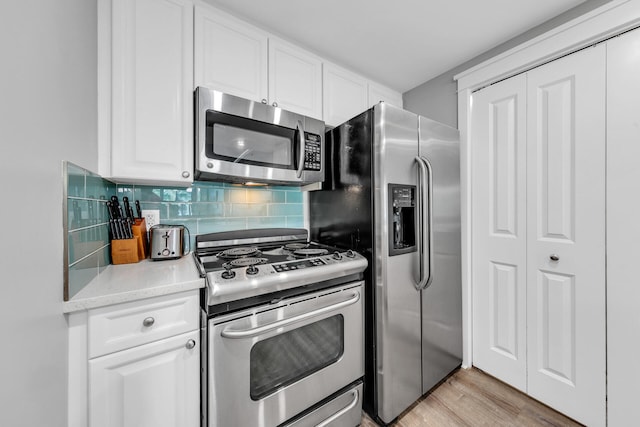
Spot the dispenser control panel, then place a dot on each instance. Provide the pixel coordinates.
(402, 219)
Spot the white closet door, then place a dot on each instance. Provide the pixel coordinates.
(623, 228)
(499, 230)
(566, 221)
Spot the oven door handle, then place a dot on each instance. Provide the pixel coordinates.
(254, 332)
(341, 412)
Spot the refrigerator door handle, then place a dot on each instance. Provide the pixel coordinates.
(425, 225)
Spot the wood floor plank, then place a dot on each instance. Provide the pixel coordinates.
(471, 398)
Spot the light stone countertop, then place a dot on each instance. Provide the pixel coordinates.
(131, 282)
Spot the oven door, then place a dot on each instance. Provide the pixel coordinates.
(270, 363)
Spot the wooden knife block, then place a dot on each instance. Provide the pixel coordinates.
(128, 251)
(139, 230)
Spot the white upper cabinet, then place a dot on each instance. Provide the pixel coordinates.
(230, 55)
(236, 58)
(379, 93)
(295, 79)
(145, 90)
(345, 94)
(152, 54)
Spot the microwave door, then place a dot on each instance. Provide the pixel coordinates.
(240, 140)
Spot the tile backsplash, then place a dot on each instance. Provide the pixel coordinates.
(205, 207)
(87, 249)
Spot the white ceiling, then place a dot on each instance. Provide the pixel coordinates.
(400, 43)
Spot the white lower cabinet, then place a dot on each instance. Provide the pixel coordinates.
(136, 364)
(152, 385)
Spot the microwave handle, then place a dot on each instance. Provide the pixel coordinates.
(302, 147)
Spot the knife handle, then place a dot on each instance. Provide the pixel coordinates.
(109, 211)
(138, 210)
(115, 233)
(127, 208)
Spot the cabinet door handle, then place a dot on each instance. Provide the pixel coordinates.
(148, 321)
(275, 104)
(554, 257)
(190, 344)
(186, 174)
(264, 101)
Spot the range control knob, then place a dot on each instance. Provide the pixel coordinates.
(228, 273)
(252, 269)
(350, 254)
(336, 255)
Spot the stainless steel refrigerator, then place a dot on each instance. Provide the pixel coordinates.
(393, 194)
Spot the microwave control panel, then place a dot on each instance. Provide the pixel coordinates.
(312, 152)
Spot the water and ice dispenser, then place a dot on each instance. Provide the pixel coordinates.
(402, 219)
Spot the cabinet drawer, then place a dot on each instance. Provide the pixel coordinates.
(131, 324)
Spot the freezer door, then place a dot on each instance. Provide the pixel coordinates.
(442, 299)
(397, 306)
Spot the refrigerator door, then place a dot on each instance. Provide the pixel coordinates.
(442, 299)
(397, 306)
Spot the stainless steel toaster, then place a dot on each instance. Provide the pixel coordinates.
(167, 241)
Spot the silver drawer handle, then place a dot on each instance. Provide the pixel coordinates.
(554, 257)
(190, 344)
(342, 411)
(149, 321)
(248, 333)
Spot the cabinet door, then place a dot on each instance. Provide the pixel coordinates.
(499, 230)
(153, 385)
(344, 94)
(623, 227)
(566, 235)
(230, 56)
(152, 75)
(377, 93)
(295, 79)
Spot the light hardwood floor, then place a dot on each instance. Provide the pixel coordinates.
(469, 397)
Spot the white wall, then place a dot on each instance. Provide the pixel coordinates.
(438, 97)
(47, 113)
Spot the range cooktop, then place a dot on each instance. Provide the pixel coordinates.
(246, 264)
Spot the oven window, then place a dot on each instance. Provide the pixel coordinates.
(286, 358)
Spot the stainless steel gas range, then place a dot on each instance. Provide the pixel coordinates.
(283, 331)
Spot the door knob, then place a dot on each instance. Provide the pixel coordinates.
(190, 344)
(148, 321)
(554, 257)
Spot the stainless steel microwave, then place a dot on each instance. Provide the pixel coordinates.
(238, 140)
